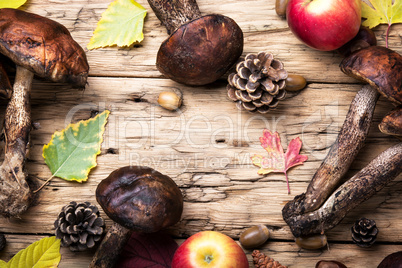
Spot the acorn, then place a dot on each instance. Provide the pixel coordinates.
(312, 242)
(170, 100)
(254, 236)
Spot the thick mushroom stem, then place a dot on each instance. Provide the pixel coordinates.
(175, 13)
(371, 179)
(15, 193)
(5, 86)
(350, 140)
(110, 247)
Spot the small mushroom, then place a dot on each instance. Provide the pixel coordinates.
(321, 208)
(200, 49)
(365, 37)
(391, 124)
(40, 46)
(138, 199)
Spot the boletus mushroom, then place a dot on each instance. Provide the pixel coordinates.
(200, 49)
(137, 199)
(38, 46)
(391, 124)
(5, 84)
(322, 207)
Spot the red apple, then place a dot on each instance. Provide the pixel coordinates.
(209, 249)
(324, 24)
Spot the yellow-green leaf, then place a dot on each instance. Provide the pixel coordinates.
(121, 24)
(381, 11)
(44, 253)
(11, 4)
(72, 152)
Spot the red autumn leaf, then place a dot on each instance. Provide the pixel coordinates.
(154, 250)
(277, 160)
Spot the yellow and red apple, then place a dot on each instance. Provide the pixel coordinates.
(324, 24)
(209, 249)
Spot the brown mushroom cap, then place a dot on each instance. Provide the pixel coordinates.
(42, 46)
(391, 124)
(380, 67)
(140, 199)
(201, 51)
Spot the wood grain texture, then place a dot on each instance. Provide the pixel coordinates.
(206, 146)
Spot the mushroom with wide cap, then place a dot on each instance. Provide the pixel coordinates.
(200, 49)
(323, 205)
(38, 46)
(391, 124)
(137, 199)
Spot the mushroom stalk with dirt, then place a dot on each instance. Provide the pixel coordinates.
(320, 208)
(138, 199)
(38, 46)
(200, 49)
(371, 179)
(5, 85)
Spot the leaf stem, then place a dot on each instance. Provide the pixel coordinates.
(287, 181)
(43, 185)
(386, 35)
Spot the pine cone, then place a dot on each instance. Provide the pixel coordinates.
(364, 232)
(262, 261)
(258, 84)
(79, 226)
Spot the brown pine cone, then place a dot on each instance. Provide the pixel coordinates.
(258, 83)
(79, 226)
(261, 260)
(364, 232)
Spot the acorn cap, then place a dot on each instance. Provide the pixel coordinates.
(42, 46)
(378, 66)
(201, 51)
(140, 199)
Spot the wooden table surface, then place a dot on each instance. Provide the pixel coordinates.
(206, 146)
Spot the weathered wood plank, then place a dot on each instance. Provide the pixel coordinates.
(263, 31)
(286, 252)
(205, 147)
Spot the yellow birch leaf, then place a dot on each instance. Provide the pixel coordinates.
(44, 253)
(11, 3)
(72, 152)
(121, 24)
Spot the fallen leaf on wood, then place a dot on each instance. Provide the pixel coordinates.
(143, 250)
(72, 152)
(277, 160)
(121, 24)
(42, 253)
(11, 4)
(382, 12)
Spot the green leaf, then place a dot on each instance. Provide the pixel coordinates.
(11, 4)
(121, 24)
(71, 153)
(40, 254)
(381, 12)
